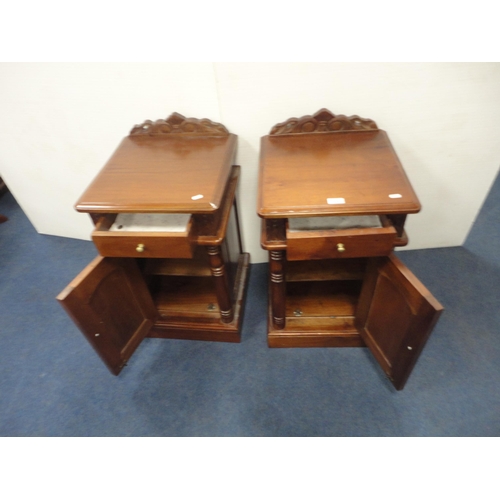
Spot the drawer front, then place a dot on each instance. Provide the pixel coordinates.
(332, 244)
(162, 246)
(139, 243)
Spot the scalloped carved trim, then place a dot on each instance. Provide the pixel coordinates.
(178, 124)
(323, 121)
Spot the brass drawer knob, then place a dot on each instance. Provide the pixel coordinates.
(140, 247)
(340, 247)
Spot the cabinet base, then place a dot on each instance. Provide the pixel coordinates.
(210, 329)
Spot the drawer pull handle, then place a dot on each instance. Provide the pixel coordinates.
(140, 247)
(340, 247)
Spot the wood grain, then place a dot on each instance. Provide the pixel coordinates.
(162, 174)
(300, 173)
(321, 122)
(187, 284)
(205, 325)
(154, 244)
(332, 287)
(180, 125)
(396, 316)
(324, 244)
(111, 305)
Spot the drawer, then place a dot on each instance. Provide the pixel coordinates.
(310, 240)
(165, 240)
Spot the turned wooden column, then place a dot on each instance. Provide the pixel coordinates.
(278, 287)
(221, 281)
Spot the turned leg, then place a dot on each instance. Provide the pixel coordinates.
(277, 288)
(221, 283)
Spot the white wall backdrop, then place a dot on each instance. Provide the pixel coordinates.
(60, 122)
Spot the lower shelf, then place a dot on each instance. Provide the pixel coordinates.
(186, 296)
(321, 332)
(188, 308)
(318, 314)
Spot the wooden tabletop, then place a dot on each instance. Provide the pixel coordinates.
(332, 173)
(163, 173)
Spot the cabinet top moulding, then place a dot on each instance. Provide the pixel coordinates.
(177, 165)
(326, 164)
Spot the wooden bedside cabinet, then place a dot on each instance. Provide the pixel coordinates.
(333, 198)
(171, 262)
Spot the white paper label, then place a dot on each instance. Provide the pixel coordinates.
(335, 201)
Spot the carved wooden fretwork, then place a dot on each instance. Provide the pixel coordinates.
(323, 121)
(178, 124)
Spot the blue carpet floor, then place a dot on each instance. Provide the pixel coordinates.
(53, 384)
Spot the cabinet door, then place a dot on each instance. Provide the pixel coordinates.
(395, 316)
(111, 305)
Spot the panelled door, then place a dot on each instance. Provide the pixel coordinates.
(111, 305)
(395, 316)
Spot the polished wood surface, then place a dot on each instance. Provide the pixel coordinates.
(196, 266)
(211, 229)
(335, 287)
(221, 281)
(142, 244)
(301, 173)
(273, 234)
(325, 270)
(112, 307)
(322, 121)
(191, 277)
(328, 299)
(396, 315)
(277, 287)
(179, 125)
(162, 174)
(341, 244)
(201, 296)
(318, 331)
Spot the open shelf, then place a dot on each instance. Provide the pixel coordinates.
(325, 270)
(182, 296)
(197, 266)
(319, 314)
(188, 307)
(329, 299)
